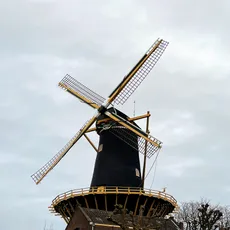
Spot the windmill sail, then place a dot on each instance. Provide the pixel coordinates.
(130, 138)
(128, 132)
(42, 172)
(140, 71)
(81, 91)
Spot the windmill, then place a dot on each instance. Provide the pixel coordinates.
(116, 177)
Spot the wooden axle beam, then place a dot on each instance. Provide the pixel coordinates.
(129, 119)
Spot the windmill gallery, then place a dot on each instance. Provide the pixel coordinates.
(117, 179)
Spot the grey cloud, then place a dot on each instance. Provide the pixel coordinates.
(98, 43)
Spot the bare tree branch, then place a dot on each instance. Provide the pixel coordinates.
(203, 216)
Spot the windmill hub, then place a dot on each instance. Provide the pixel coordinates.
(102, 109)
(104, 122)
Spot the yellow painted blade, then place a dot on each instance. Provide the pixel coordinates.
(134, 78)
(80, 91)
(122, 131)
(42, 172)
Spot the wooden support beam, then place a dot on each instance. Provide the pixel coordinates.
(126, 200)
(91, 143)
(95, 200)
(106, 203)
(137, 203)
(71, 206)
(162, 210)
(91, 130)
(146, 149)
(150, 209)
(67, 210)
(154, 212)
(63, 215)
(129, 119)
(86, 202)
(157, 210)
(146, 200)
(165, 211)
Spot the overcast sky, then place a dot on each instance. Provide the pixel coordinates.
(98, 42)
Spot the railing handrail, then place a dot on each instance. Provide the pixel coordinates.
(92, 190)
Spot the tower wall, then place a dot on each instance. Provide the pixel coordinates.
(117, 163)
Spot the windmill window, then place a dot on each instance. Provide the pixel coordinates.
(137, 172)
(100, 148)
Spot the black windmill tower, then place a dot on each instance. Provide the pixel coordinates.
(117, 173)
